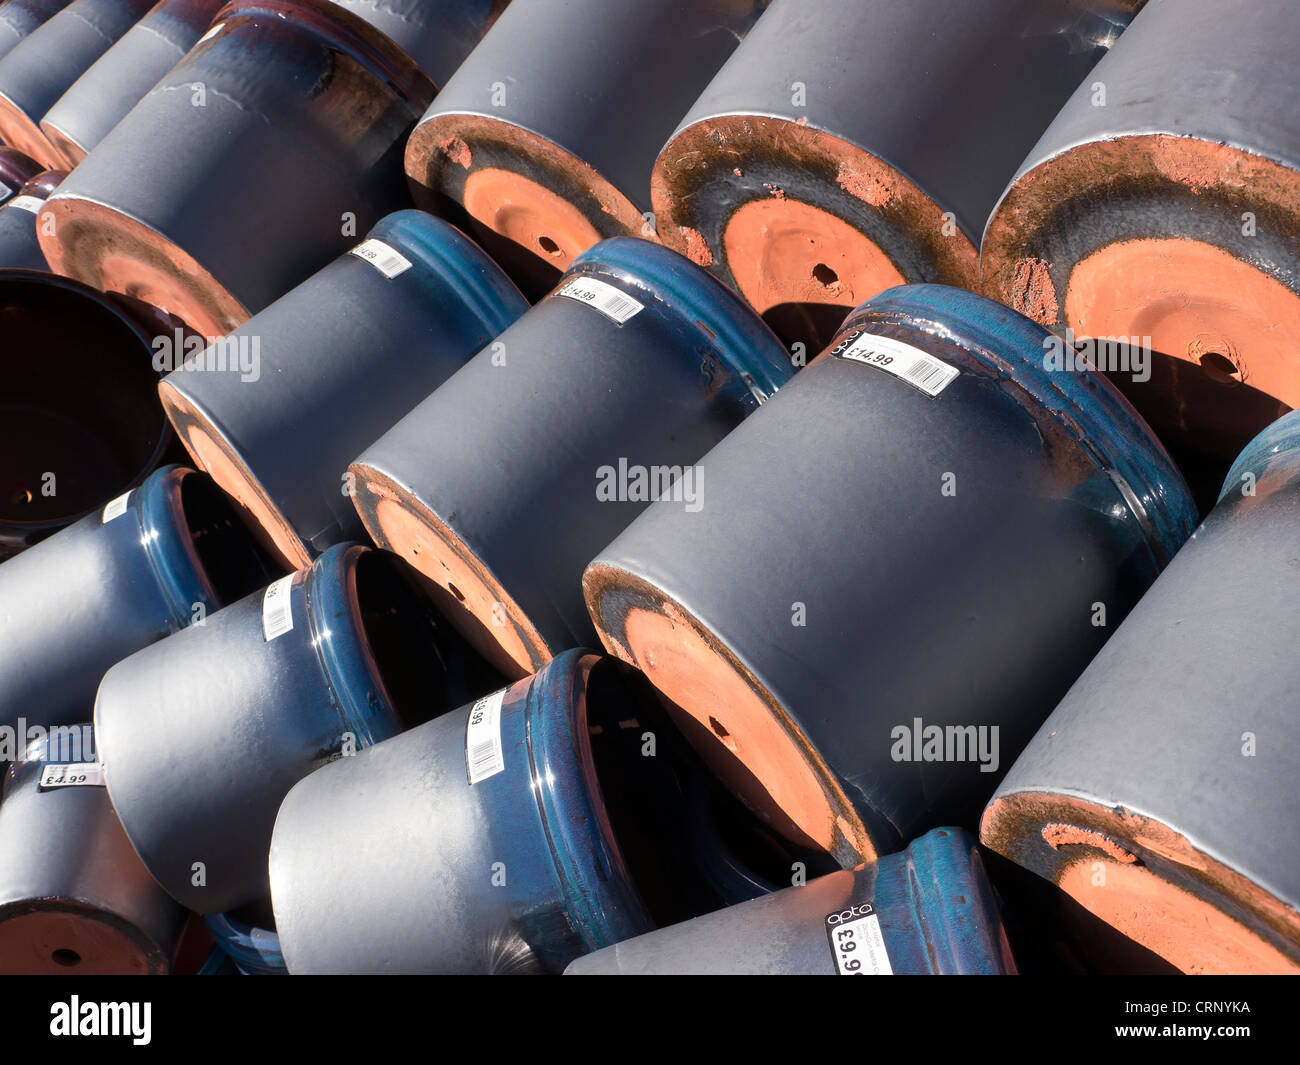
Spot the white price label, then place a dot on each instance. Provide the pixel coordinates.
(912, 365)
(116, 508)
(277, 609)
(28, 203)
(73, 775)
(856, 942)
(483, 754)
(613, 303)
(386, 260)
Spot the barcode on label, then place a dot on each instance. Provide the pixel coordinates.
(857, 944)
(483, 755)
(912, 365)
(116, 508)
(386, 260)
(277, 609)
(610, 301)
(73, 775)
(28, 203)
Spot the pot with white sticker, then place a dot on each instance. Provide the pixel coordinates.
(907, 557)
(276, 410)
(546, 820)
(74, 898)
(503, 483)
(151, 562)
(926, 910)
(212, 726)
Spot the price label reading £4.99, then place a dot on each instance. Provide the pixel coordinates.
(856, 942)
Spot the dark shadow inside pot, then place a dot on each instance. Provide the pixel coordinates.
(689, 845)
(426, 666)
(80, 419)
(229, 552)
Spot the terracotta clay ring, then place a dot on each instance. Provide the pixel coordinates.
(1160, 793)
(209, 199)
(919, 540)
(850, 147)
(545, 164)
(74, 898)
(1171, 215)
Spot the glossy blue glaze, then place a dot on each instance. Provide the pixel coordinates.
(722, 319)
(602, 901)
(338, 637)
(454, 270)
(1272, 459)
(254, 951)
(165, 538)
(1084, 402)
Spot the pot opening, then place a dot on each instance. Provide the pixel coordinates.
(231, 556)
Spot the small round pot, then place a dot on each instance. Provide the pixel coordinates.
(46, 64)
(438, 36)
(67, 348)
(926, 533)
(164, 556)
(254, 162)
(74, 898)
(206, 731)
(537, 812)
(1160, 793)
(100, 98)
(19, 247)
(277, 410)
(927, 910)
(576, 413)
(808, 200)
(1171, 215)
(545, 164)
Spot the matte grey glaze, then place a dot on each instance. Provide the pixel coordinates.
(19, 17)
(437, 34)
(123, 75)
(40, 69)
(208, 729)
(75, 604)
(294, 150)
(62, 851)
